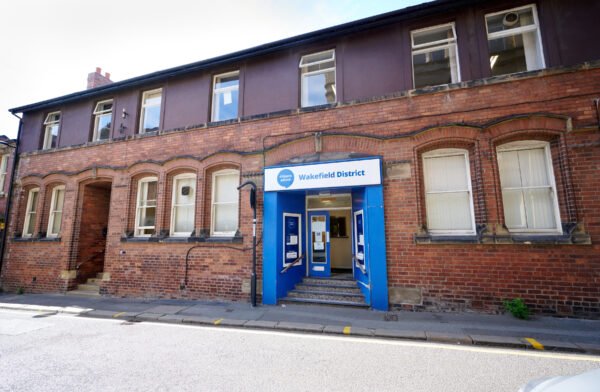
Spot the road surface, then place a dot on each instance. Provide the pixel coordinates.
(40, 352)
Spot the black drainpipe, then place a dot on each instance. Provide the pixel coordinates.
(10, 192)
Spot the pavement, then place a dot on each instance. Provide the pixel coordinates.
(537, 333)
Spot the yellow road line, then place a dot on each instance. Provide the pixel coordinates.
(218, 321)
(117, 315)
(346, 330)
(537, 345)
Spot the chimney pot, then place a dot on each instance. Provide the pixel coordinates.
(98, 70)
(107, 75)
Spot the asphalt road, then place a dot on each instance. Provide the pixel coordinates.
(65, 353)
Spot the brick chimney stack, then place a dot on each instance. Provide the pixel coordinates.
(96, 79)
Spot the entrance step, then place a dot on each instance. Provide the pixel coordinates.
(329, 302)
(339, 282)
(339, 290)
(90, 288)
(327, 287)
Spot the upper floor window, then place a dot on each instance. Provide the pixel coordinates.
(225, 96)
(528, 188)
(225, 202)
(102, 120)
(51, 128)
(514, 40)
(150, 111)
(145, 215)
(56, 209)
(318, 78)
(183, 205)
(434, 56)
(448, 195)
(3, 171)
(31, 212)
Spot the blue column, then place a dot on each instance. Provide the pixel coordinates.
(375, 238)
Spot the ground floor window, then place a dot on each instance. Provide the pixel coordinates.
(183, 205)
(528, 187)
(56, 211)
(146, 207)
(31, 212)
(225, 202)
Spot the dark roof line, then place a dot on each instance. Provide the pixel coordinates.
(303, 39)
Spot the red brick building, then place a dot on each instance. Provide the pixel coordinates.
(443, 156)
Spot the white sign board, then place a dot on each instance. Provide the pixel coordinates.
(357, 172)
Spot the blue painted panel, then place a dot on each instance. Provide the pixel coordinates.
(314, 254)
(376, 253)
(275, 284)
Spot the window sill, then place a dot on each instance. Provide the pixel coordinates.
(182, 240)
(573, 234)
(36, 239)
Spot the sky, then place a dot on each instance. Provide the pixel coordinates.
(47, 48)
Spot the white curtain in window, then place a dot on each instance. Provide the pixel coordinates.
(448, 198)
(225, 203)
(527, 190)
(184, 202)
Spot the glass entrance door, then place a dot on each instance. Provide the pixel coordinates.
(318, 245)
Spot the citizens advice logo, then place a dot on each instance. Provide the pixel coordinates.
(285, 178)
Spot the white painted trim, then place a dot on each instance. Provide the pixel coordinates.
(304, 73)
(218, 91)
(178, 177)
(99, 114)
(52, 213)
(138, 208)
(224, 172)
(519, 30)
(450, 44)
(52, 120)
(143, 106)
(299, 216)
(28, 212)
(3, 172)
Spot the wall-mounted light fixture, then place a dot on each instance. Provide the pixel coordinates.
(124, 114)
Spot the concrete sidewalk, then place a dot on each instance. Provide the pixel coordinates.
(539, 333)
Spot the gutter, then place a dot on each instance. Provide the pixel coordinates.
(389, 18)
(10, 193)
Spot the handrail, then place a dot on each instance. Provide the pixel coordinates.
(293, 263)
(359, 265)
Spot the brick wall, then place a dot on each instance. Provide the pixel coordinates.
(554, 106)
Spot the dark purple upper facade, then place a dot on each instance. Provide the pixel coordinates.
(373, 58)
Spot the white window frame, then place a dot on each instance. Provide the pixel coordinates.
(218, 91)
(3, 172)
(28, 212)
(138, 230)
(530, 145)
(143, 106)
(519, 30)
(224, 172)
(304, 74)
(52, 119)
(436, 45)
(54, 211)
(448, 152)
(178, 177)
(98, 115)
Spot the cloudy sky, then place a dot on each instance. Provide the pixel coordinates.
(47, 48)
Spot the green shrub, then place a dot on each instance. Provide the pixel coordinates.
(20, 290)
(517, 308)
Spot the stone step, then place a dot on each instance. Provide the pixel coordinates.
(88, 287)
(332, 295)
(102, 275)
(83, 293)
(322, 287)
(327, 302)
(330, 282)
